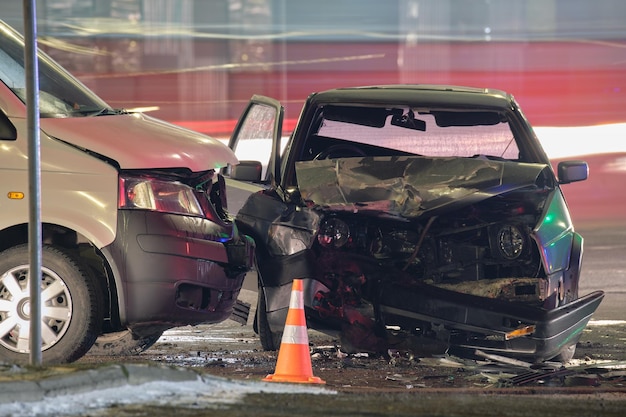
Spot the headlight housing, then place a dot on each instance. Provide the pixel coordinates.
(145, 193)
(333, 233)
(508, 241)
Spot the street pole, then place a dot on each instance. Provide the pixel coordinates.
(34, 175)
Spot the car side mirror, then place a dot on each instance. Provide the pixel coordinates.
(572, 171)
(246, 171)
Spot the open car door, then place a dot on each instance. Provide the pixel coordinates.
(256, 141)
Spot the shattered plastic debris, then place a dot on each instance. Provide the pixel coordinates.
(540, 376)
(503, 359)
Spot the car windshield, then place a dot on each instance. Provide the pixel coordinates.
(60, 94)
(432, 132)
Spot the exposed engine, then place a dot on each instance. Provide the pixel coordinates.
(485, 250)
(486, 241)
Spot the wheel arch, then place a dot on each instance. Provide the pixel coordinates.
(571, 277)
(84, 251)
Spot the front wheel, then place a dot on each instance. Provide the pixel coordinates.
(269, 340)
(71, 312)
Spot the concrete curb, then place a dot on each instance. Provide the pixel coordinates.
(72, 382)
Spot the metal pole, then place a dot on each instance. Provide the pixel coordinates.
(34, 175)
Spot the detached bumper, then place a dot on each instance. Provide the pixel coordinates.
(175, 270)
(485, 324)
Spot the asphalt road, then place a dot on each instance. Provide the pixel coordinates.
(604, 267)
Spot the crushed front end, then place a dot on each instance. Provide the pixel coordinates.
(427, 254)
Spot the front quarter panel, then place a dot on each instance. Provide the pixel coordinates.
(258, 213)
(554, 234)
(77, 191)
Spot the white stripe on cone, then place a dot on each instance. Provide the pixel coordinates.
(296, 335)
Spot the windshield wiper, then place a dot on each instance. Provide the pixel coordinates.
(105, 111)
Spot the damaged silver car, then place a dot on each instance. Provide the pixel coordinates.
(423, 218)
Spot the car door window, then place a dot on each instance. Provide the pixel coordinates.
(256, 132)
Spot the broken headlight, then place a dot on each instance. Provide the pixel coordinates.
(333, 233)
(509, 241)
(144, 193)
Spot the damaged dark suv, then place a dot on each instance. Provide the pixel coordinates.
(420, 217)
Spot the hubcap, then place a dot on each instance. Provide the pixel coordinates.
(56, 309)
(23, 309)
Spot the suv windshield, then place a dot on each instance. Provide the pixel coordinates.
(60, 94)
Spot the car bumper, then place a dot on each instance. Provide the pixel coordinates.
(174, 270)
(470, 322)
(493, 322)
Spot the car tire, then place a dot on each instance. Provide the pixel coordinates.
(270, 340)
(123, 343)
(71, 312)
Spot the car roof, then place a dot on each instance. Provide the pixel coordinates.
(427, 95)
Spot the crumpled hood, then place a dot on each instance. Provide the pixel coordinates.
(408, 186)
(137, 141)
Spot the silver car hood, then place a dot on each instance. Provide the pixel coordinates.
(408, 187)
(137, 141)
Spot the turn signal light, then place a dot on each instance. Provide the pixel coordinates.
(15, 195)
(519, 332)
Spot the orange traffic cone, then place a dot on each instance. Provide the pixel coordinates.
(294, 361)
